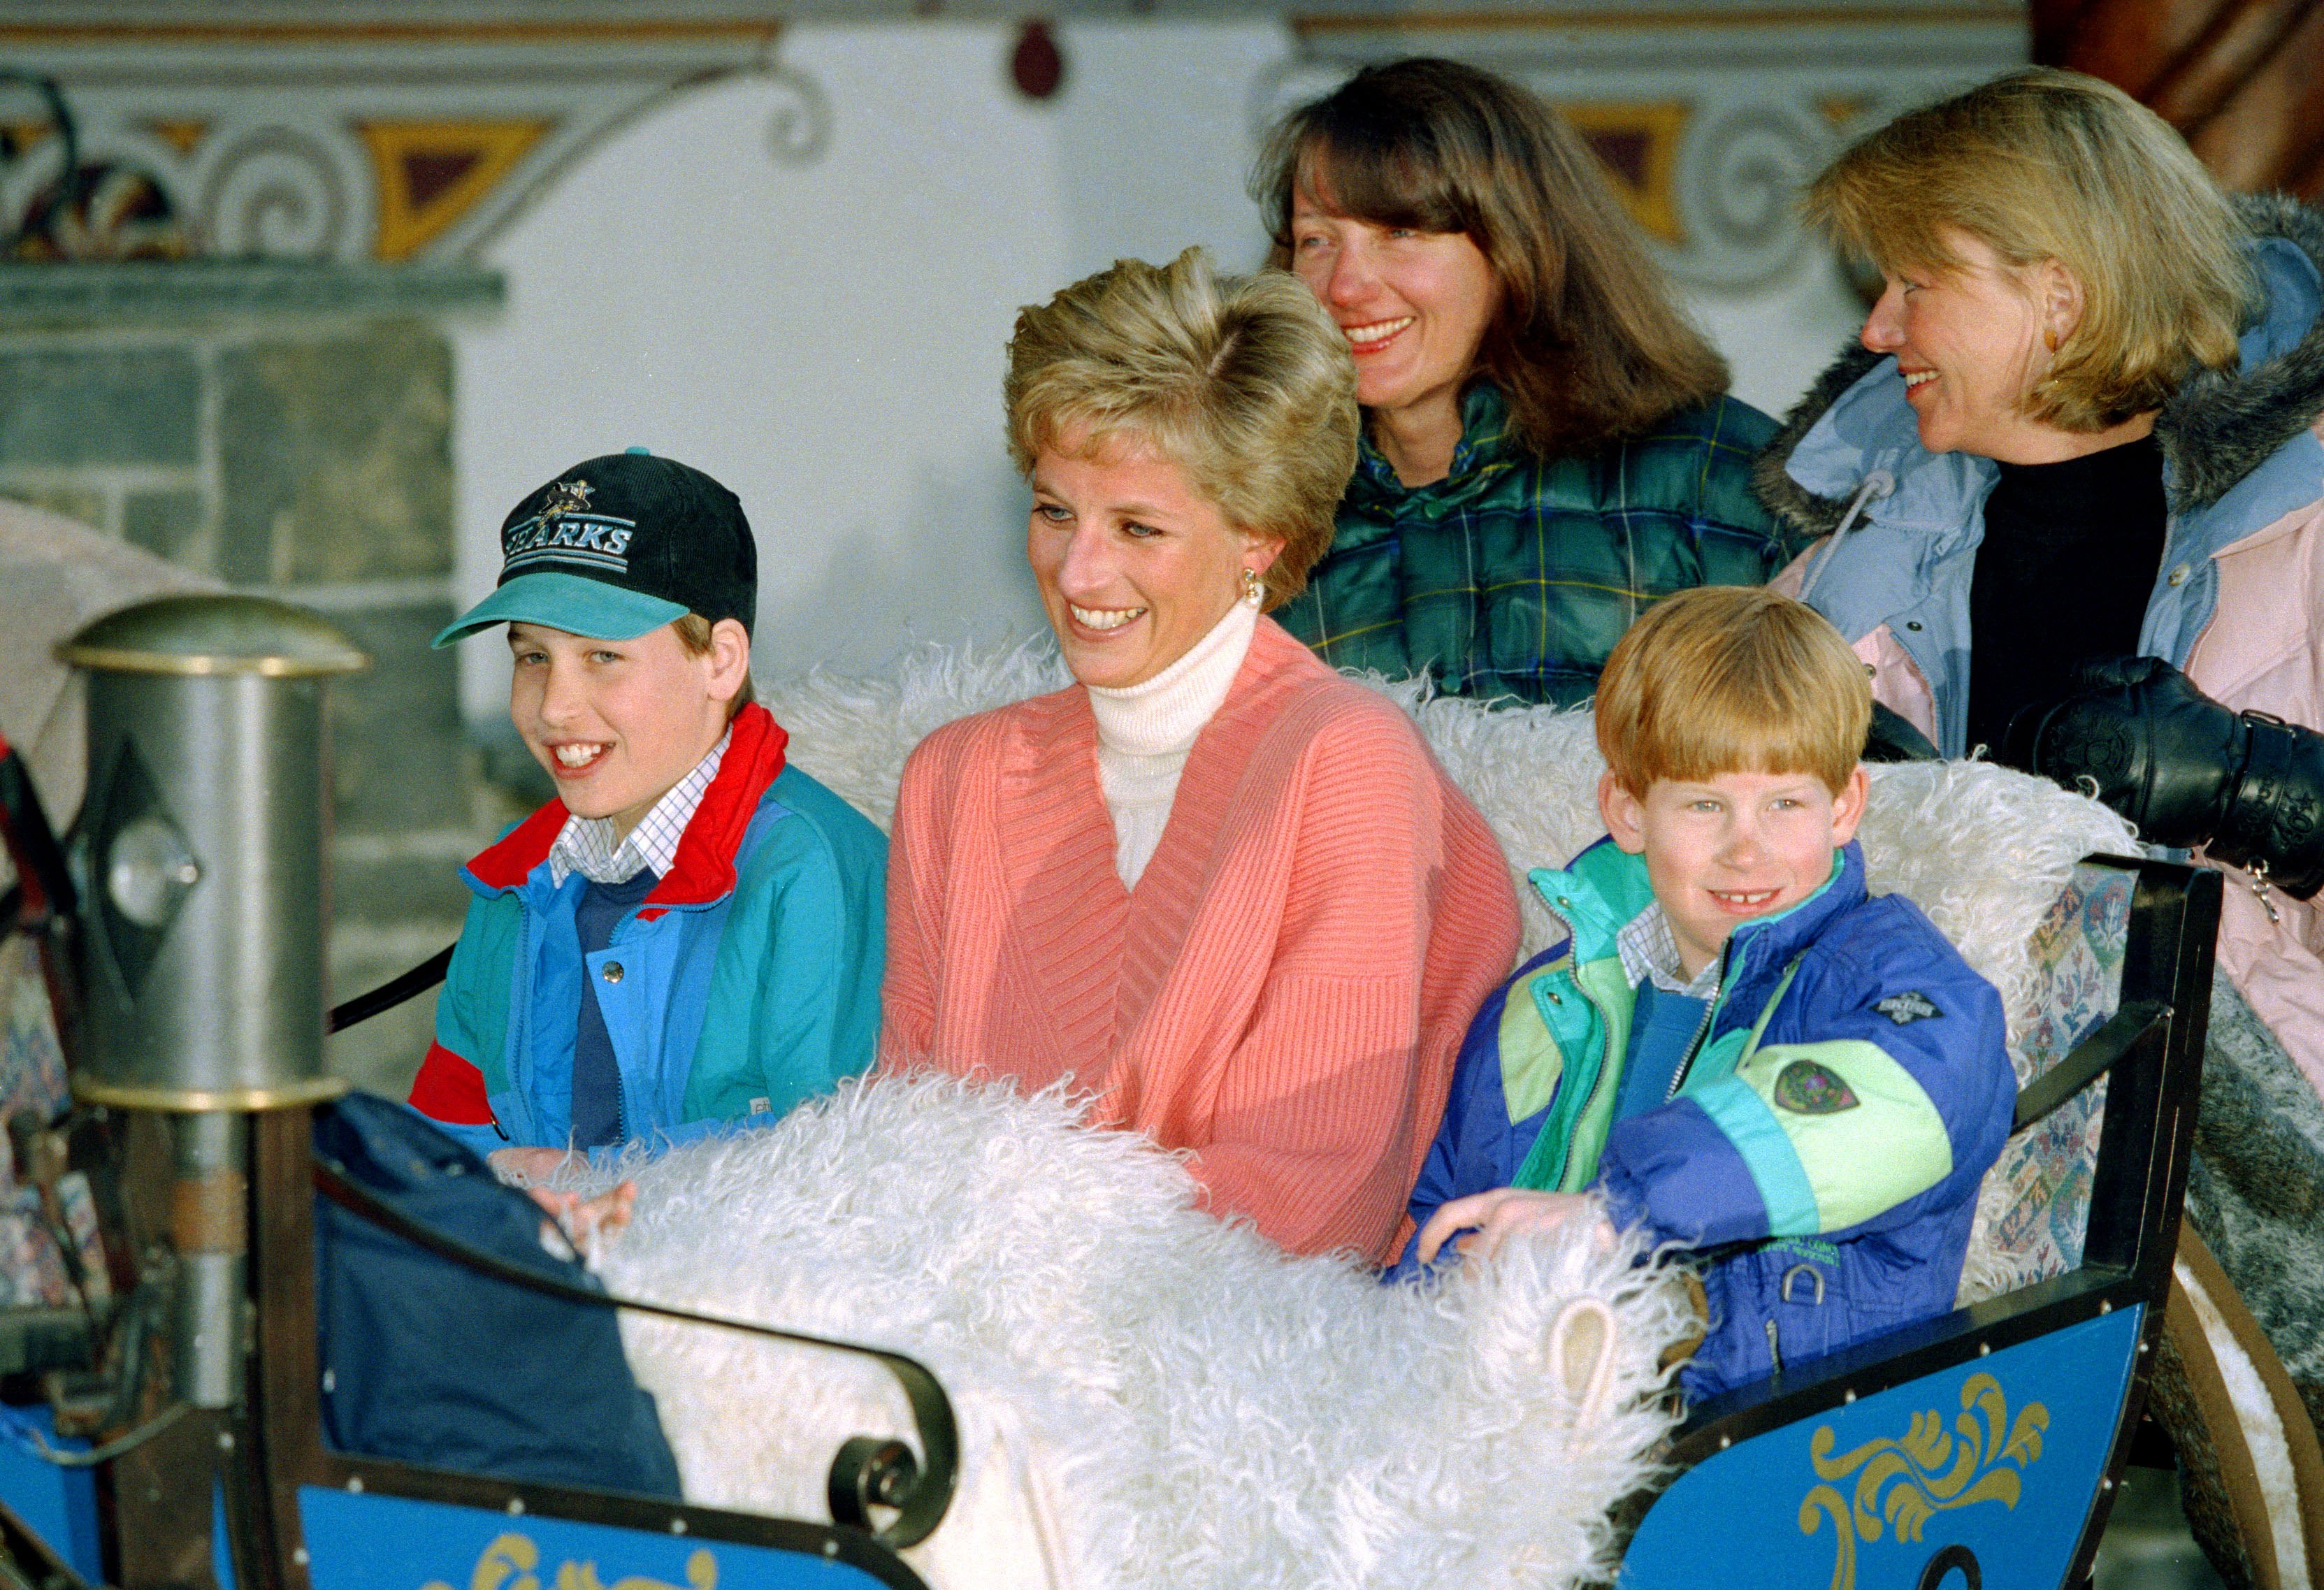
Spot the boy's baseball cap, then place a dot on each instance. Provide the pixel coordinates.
(618, 545)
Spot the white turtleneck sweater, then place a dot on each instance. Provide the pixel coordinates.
(1145, 730)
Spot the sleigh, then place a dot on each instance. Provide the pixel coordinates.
(1981, 1448)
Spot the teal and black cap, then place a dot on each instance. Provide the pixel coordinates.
(618, 545)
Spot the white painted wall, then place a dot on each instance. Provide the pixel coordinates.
(827, 338)
(1779, 339)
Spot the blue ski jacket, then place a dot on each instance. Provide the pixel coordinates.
(1819, 1144)
(748, 980)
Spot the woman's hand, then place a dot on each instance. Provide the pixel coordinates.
(2183, 768)
(2158, 750)
(1503, 1213)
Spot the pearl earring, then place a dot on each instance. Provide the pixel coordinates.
(1254, 587)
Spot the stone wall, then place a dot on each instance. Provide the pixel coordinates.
(287, 429)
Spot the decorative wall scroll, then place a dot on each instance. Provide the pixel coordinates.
(432, 173)
(342, 132)
(1710, 117)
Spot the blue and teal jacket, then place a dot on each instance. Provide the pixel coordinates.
(1820, 1143)
(748, 980)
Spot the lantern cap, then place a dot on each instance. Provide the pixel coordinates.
(213, 634)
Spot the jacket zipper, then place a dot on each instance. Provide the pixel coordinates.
(1565, 1153)
(1710, 1010)
(1694, 1046)
(521, 1059)
(621, 1087)
(1686, 1064)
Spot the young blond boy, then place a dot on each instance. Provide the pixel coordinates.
(1737, 1048)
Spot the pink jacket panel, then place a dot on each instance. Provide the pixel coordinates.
(2262, 650)
(1897, 681)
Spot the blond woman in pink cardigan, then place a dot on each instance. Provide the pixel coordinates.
(1214, 883)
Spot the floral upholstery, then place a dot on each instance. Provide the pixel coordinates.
(2039, 1190)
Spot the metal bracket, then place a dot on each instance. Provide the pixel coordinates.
(2091, 1058)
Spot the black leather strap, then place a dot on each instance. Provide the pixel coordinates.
(2276, 817)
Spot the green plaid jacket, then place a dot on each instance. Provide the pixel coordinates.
(1514, 575)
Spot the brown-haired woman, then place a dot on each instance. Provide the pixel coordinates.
(1548, 446)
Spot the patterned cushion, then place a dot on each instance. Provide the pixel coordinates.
(2035, 1203)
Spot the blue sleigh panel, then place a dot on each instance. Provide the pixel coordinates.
(1981, 1475)
(357, 1541)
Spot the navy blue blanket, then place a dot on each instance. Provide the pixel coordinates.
(427, 1362)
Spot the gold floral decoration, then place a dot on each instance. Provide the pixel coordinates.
(1929, 1471)
(510, 1561)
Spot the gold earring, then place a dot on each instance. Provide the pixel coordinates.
(2049, 339)
(1254, 587)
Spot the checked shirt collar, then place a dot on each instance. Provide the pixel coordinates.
(1650, 950)
(586, 845)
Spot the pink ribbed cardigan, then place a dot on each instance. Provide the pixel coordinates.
(1285, 991)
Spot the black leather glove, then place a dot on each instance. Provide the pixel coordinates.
(2187, 770)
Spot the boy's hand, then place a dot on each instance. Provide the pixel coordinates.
(1502, 1213)
(527, 1164)
(582, 1219)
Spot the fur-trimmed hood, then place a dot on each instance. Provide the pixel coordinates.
(2220, 426)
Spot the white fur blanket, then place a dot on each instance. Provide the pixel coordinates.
(1148, 1396)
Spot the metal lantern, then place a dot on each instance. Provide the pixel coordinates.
(203, 833)
(202, 840)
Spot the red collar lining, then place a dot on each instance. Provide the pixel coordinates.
(704, 870)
